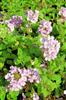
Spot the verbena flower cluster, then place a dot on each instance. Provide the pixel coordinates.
(19, 77)
(32, 16)
(50, 48)
(14, 22)
(62, 13)
(45, 27)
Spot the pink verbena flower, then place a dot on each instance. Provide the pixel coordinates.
(50, 48)
(16, 77)
(62, 13)
(19, 77)
(33, 76)
(15, 21)
(32, 16)
(35, 96)
(45, 27)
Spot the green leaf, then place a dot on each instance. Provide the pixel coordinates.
(1, 65)
(23, 56)
(2, 93)
(12, 95)
(64, 46)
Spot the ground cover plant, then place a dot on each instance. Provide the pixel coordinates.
(33, 50)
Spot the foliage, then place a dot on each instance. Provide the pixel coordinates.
(21, 47)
